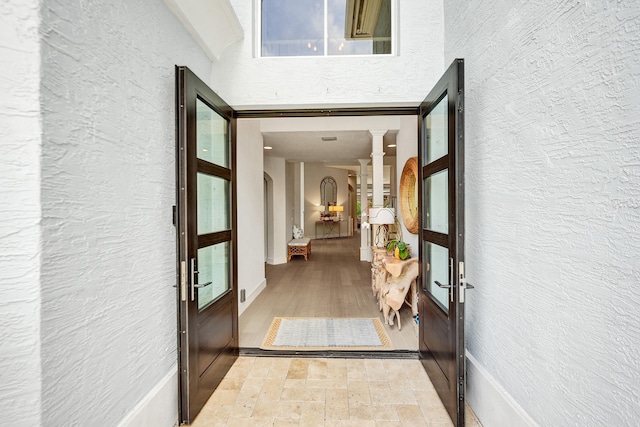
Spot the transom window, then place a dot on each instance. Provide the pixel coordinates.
(325, 27)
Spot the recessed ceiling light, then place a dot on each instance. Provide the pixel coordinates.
(205, 150)
(266, 147)
(329, 138)
(391, 146)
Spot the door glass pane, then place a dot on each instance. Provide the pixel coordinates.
(213, 204)
(213, 266)
(212, 139)
(292, 28)
(436, 196)
(437, 131)
(437, 268)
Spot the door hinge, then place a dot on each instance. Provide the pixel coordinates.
(175, 215)
(460, 106)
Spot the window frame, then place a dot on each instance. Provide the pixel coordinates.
(257, 36)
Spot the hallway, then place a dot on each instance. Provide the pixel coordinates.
(273, 391)
(332, 283)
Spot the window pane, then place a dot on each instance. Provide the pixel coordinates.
(436, 196)
(212, 137)
(437, 131)
(213, 204)
(345, 42)
(437, 268)
(292, 27)
(213, 266)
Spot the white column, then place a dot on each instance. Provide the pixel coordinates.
(302, 198)
(364, 232)
(378, 168)
(378, 172)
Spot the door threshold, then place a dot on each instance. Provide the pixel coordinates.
(331, 354)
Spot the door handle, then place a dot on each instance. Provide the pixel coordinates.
(201, 285)
(194, 280)
(443, 286)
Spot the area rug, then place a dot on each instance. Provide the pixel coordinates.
(317, 334)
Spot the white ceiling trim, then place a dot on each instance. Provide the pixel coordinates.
(212, 23)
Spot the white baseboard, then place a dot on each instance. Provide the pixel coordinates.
(242, 306)
(159, 408)
(275, 261)
(491, 403)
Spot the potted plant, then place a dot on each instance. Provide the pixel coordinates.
(398, 249)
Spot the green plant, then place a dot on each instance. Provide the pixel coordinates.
(402, 249)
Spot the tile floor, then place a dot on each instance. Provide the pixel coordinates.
(271, 391)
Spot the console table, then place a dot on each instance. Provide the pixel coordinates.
(329, 229)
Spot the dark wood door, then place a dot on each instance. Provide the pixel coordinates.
(441, 192)
(207, 253)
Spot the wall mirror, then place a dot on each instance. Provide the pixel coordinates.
(328, 192)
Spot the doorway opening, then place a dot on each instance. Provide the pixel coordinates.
(335, 282)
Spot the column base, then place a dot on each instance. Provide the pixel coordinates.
(365, 254)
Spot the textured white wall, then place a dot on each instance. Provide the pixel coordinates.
(246, 81)
(20, 133)
(250, 199)
(553, 203)
(108, 173)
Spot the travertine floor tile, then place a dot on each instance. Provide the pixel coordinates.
(411, 415)
(283, 392)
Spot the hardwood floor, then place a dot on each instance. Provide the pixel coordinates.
(332, 283)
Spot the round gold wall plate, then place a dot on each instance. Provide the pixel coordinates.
(409, 195)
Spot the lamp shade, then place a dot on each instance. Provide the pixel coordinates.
(381, 216)
(336, 208)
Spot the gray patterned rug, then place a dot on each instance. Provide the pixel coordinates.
(303, 333)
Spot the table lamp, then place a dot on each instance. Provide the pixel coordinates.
(381, 217)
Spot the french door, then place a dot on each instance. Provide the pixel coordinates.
(443, 285)
(206, 240)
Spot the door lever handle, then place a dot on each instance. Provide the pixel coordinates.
(201, 285)
(443, 286)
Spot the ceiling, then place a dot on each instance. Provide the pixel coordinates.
(348, 147)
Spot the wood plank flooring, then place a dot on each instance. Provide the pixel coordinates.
(332, 283)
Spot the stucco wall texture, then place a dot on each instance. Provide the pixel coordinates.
(20, 144)
(245, 80)
(108, 172)
(553, 202)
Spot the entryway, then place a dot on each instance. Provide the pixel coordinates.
(206, 350)
(277, 391)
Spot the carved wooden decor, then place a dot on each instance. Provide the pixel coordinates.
(408, 199)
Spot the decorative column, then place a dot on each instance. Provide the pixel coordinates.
(364, 232)
(378, 167)
(378, 171)
(302, 200)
